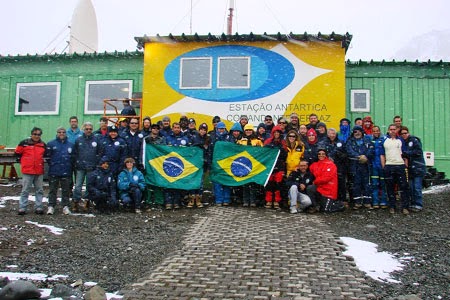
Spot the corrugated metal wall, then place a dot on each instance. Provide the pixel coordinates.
(418, 92)
(72, 72)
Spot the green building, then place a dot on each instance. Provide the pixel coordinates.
(45, 90)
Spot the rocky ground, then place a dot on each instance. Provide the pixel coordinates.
(117, 249)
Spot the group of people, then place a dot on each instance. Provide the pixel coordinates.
(318, 168)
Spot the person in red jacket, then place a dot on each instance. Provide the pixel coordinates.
(31, 153)
(326, 180)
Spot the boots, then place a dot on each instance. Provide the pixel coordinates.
(74, 207)
(198, 201)
(191, 201)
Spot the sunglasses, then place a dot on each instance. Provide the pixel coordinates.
(134, 123)
(88, 129)
(37, 134)
(61, 132)
(403, 133)
(268, 120)
(292, 136)
(282, 123)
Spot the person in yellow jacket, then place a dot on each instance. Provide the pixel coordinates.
(249, 138)
(295, 151)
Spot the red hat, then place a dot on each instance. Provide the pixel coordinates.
(367, 119)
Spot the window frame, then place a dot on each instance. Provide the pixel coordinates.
(57, 84)
(219, 59)
(352, 100)
(113, 81)
(209, 86)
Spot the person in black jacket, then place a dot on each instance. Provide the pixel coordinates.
(416, 167)
(102, 188)
(297, 182)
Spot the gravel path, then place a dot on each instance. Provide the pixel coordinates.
(119, 250)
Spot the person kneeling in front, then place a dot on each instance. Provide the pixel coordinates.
(297, 182)
(323, 192)
(131, 185)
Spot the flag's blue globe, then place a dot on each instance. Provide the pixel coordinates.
(241, 166)
(173, 166)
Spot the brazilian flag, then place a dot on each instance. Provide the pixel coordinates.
(173, 167)
(235, 165)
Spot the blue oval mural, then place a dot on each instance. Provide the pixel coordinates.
(269, 73)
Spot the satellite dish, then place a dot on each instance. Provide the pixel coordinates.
(83, 30)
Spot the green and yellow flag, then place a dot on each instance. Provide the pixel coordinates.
(174, 167)
(235, 165)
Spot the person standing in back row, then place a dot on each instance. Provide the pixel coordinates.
(416, 167)
(31, 154)
(395, 170)
(60, 160)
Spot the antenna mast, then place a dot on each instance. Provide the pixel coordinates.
(230, 18)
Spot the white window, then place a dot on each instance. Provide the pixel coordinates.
(233, 73)
(97, 91)
(37, 98)
(360, 100)
(196, 73)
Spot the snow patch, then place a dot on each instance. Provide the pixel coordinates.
(53, 229)
(377, 265)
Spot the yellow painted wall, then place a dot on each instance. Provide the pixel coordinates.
(324, 95)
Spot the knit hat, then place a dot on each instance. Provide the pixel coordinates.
(216, 119)
(203, 126)
(321, 124)
(344, 119)
(166, 119)
(221, 125)
(357, 127)
(236, 127)
(191, 120)
(322, 149)
(113, 129)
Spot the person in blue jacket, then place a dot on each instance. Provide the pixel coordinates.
(115, 149)
(133, 138)
(87, 152)
(102, 187)
(360, 152)
(379, 196)
(222, 193)
(59, 155)
(172, 197)
(416, 167)
(131, 185)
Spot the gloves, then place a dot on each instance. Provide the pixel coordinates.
(362, 159)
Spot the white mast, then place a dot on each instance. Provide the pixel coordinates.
(230, 18)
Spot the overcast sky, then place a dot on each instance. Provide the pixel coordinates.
(380, 28)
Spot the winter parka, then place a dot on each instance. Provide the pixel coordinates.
(326, 179)
(60, 157)
(87, 151)
(413, 150)
(31, 156)
(101, 184)
(126, 178)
